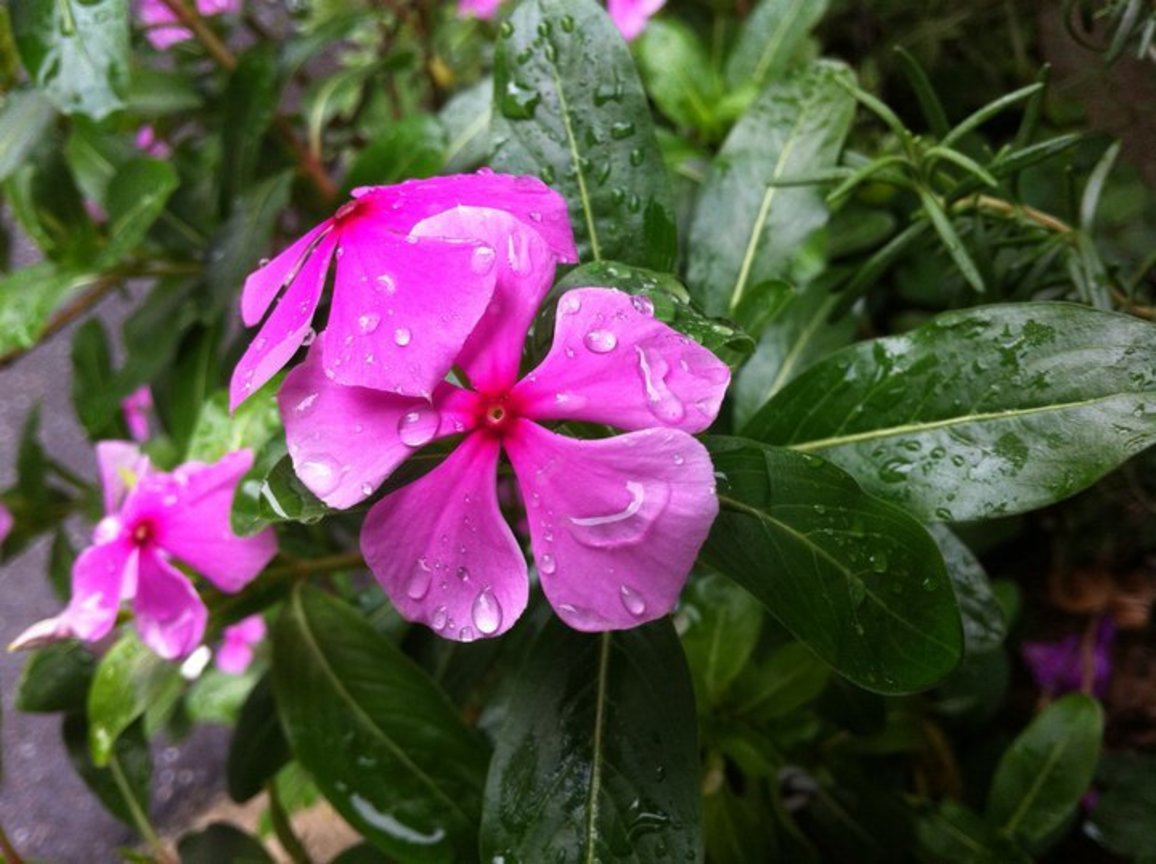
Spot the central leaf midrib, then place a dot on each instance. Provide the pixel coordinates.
(591, 828)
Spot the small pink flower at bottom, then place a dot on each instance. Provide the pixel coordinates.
(6, 522)
(153, 515)
(138, 407)
(237, 642)
(403, 303)
(161, 24)
(615, 523)
(630, 16)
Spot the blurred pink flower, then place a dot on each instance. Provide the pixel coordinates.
(484, 9)
(161, 27)
(237, 643)
(147, 142)
(615, 523)
(1059, 667)
(138, 408)
(629, 16)
(152, 515)
(403, 302)
(6, 522)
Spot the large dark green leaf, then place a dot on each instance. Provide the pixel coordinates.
(1047, 769)
(978, 413)
(747, 230)
(466, 120)
(953, 834)
(984, 628)
(570, 109)
(856, 579)
(1124, 818)
(56, 678)
(770, 38)
(76, 51)
(221, 842)
(258, 749)
(598, 758)
(383, 744)
(133, 762)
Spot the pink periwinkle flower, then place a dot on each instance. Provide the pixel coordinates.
(152, 515)
(1059, 667)
(162, 27)
(629, 16)
(484, 9)
(237, 643)
(615, 523)
(147, 141)
(404, 301)
(6, 522)
(138, 408)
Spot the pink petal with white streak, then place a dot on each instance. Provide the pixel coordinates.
(170, 616)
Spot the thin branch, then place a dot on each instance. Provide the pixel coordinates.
(1021, 211)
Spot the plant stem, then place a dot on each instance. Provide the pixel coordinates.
(283, 828)
(139, 817)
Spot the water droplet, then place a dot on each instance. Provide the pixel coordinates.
(482, 260)
(309, 337)
(402, 336)
(546, 564)
(634, 602)
(463, 574)
(306, 403)
(619, 131)
(320, 474)
(420, 581)
(487, 613)
(571, 304)
(643, 304)
(653, 368)
(417, 428)
(678, 459)
(366, 489)
(440, 618)
(385, 283)
(259, 343)
(601, 341)
(627, 524)
(368, 322)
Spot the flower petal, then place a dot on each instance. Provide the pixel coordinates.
(189, 514)
(170, 616)
(402, 308)
(615, 547)
(345, 440)
(442, 552)
(6, 521)
(236, 651)
(630, 16)
(264, 283)
(285, 329)
(525, 270)
(525, 198)
(120, 465)
(612, 362)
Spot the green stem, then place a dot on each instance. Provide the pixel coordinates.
(139, 818)
(282, 827)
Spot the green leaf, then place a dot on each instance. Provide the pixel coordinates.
(984, 628)
(77, 53)
(953, 834)
(222, 842)
(598, 758)
(24, 121)
(383, 744)
(258, 749)
(56, 678)
(154, 93)
(133, 761)
(95, 394)
(250, 102)
(988, 111)
(130, 680)
(218, 432)
(136, 196)
(1047, 769)
(799, 335)
(978, 413)
(28, 297)
(856, 579)
(929, 102)
(745, 229)
(951, 240)
(282, 497)
(1124, 818)
(791, 678)
(770, 39)
(571, 110)
(466, 120)
(678, 75)
(719, 624)
(412, 147)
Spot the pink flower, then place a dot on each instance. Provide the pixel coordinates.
(615, 523)
(147, 142)
(236, 651)
(6, 522)
(161, 27)
(403, 301)
(484, 9)
(150, 516)
(1059, 667)
(137, 408)
(630, 16)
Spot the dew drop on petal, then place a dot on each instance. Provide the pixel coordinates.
(643, 304)
(464, 574)
(416, 428)
(571, 305)
(385, 283)
(546, 564)
(309, 338)
(306, 403)
(368, 322)
(661, 400)
(487, 613)
(482, 260)
(467, 634)
(366, 489)
(678, 459)
(633, 602)
(440, 618)
(320, 474)
(419, 582)
(601, 341)
(402, 336)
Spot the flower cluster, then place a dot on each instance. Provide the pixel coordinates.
(448, 274)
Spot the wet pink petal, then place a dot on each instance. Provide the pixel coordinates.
(120, 465)
(264, 283)
(630, 16)
(484, 9)
(285, 329)
(402, 308)
(613, 362)
(236, 651)
(162, 31)
(101, 576)
(137, 408)
(615, 523)
(525, 270)
(187, 512)
(5, 522)
(170, 617)
(345, 440)
(442, 552)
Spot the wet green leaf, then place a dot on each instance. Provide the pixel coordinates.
(218, 432)
(570, 108)
(984, 628)
(746, 230)
(857, 580)
(137, 194)
(598, 758)
(133, 761)
(24, 120)
(382, 742)
(1016, 406)
(770, 38)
